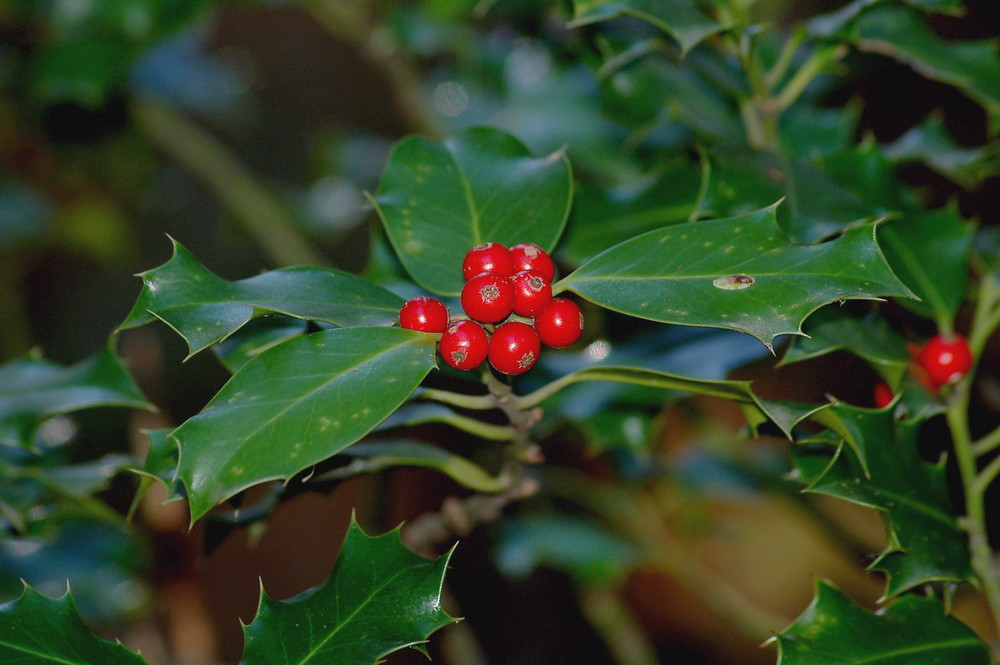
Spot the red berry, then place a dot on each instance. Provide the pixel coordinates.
(514, 348)
(532, 292)
(560, 323)
(882, 395)
(529, 256)
(488, 297)
(464, 345)
(424, 314)
(488, 257)
(945, 359)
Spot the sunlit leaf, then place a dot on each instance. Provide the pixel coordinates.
(738, 273)
(297, 404)
(380, 598)
(36, 629)
(205, 309)
(911, 630)
(438, 200)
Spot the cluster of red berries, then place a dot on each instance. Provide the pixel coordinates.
(500, 284)
(943, 360)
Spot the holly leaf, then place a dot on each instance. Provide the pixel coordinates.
(36, 629)
(256, 337)
(33, 390)
(380, 598)
(870, 338)
(295, 405)
(912, 630)
(929, 251)
(205, 309)
(738, 273)
(931, 144)
(685, 21)
(877, 464)
(438, 200)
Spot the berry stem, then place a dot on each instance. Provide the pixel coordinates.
(474, 402)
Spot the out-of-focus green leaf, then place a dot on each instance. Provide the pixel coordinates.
(33, 390)
(585, 550)
(380, 598)
(684, 20)
(871, 338)
(911, 630)
(206, 309)
(810, 133)
(929, 252)
(379, 455)
(815, 206)
(36, 629)
(295, 405)
(603, 218)
(24, 214)
(738, 273)
(878, 465)
(930, 143)
(438, 200)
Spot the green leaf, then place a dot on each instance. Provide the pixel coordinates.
(911, 631)
(972, 66)
(929, 251)
(738, 273)
(878, 465)
(205, 309)
(930, 143)
(871, 338)
(36, 629)
(256, 337)
(683, 20)
(33, 390)
(380, 598)
(295, 405)
(379, 455)
(438, 200)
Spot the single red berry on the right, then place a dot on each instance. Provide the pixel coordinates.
(882, 395)
(514, 348)
(487, 257)
(488, 297)
(560, 323)
(529, 256)
(424, 314)
(946, 359)
(532, 292)
(464, 345)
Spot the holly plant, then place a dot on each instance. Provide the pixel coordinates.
(646, 207)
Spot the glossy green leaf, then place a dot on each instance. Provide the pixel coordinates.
(205, 309)
(871, 338)
(878, 465)
(912, 631)
(930, 143)
(438, 200)
(738, 273)
(378, 455)
(684, 20)
(33, 390)
(972, 66)
(39, 630)
(256, 337)
(295, 405)
(380, 598)
(928, 250)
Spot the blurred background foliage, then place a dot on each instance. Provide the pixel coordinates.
(250, 132)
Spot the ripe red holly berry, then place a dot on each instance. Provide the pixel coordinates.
(882, 395)
(529, 256)
(487, 257)
(464, 345)
(514, 348)
(424, 314)
(532, 292)
(946, 359)
(560, 323)
(488, 297)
